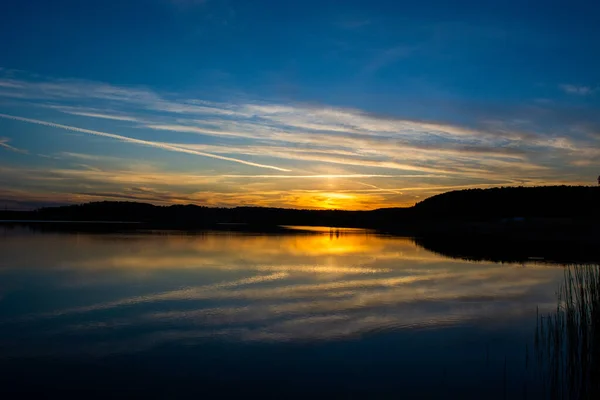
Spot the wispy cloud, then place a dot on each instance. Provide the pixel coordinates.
(353, 23)
(88, 157)
(326, 176)
(139, 141)
(95, 114)
(333, 130)
(4, 144)
(577, 89)
(7, 83)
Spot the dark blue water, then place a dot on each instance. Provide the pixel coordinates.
(351, 314)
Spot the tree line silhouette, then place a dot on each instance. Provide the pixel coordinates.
(504, 204)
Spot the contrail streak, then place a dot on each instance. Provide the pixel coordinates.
(126, 139)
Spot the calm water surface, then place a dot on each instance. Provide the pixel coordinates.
(326, 314)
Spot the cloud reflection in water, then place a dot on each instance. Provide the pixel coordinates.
(132, 292)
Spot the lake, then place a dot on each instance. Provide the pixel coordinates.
(320, 313)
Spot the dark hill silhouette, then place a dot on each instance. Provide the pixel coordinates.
(542, 201)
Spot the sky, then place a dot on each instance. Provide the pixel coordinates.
(305, 104)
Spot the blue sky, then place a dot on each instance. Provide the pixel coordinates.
(313, 104)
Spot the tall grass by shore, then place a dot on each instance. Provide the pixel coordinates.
(568, 340)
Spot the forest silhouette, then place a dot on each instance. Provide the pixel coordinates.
(526, 210)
